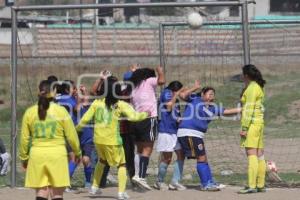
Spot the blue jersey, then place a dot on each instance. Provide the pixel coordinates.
(197, 115)
(87, 132)
(168, 119)
(69, 102)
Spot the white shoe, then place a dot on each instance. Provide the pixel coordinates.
(141, 182)
(5, 164)
(176, 186)
(220, 186)
(95, 191)
(160, 186)
(123, 196)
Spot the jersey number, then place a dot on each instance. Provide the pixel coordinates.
(45, 130)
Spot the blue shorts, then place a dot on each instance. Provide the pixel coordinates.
(192, 147)
(87, 149)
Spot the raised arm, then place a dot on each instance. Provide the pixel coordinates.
(161, 76)
(171, 103)
(128, 111)
(185, 93)
(103, 75)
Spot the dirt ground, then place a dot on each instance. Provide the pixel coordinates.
(229, 193)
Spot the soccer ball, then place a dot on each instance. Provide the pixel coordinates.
(272, 172)
(272, 166)
(194, 19)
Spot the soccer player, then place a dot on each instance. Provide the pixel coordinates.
(108, 142)
(67, 97)
(144, 99)
(86, 137)
(4, 159)
(252, 123)
(45, 129)
(169, 114)
(198, 113)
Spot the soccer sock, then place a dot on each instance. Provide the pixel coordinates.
(72, 167)
(137, 164)
(252, 171)
(162, 171)
(261, 173)
(41, 198)
(177, 171)
(58, 199)
(144, 161)
(88, 173)
(103, 180)
(204, 173)
(98, 174)
(122, 178)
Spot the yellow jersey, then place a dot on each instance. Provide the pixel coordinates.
(54, 130)
(106, 122)
(253, 109)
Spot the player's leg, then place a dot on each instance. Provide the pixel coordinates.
(178, 170)
(99, 168)
(251, 144)
(128, 145)
(261, 173)
(57, 193)
(4, 159)
(164, 162)
(146, 135)
(87, 151)
(42, 193)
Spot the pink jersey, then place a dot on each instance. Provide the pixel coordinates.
(144, 98)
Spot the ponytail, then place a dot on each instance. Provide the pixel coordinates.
(44, 99)
(254, 74)
(43, 105)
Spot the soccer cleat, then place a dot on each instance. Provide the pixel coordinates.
(68, 189)
(123, 196)
(87, 185)
(5, 165)
(95, 190)
(176, 186)
(210, 188)
(160, 186)
(261, 189)
(141, 182)
(247, 190)
(220, 186)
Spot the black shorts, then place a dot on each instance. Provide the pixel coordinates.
(146, 130)
(192, 147)
(87, 150)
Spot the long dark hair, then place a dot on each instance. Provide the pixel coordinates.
(44, 99)
(64, 87)
(174, 86)
(111, 90)
(254, 74)
(140, 75)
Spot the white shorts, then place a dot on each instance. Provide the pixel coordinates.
(167, 143)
